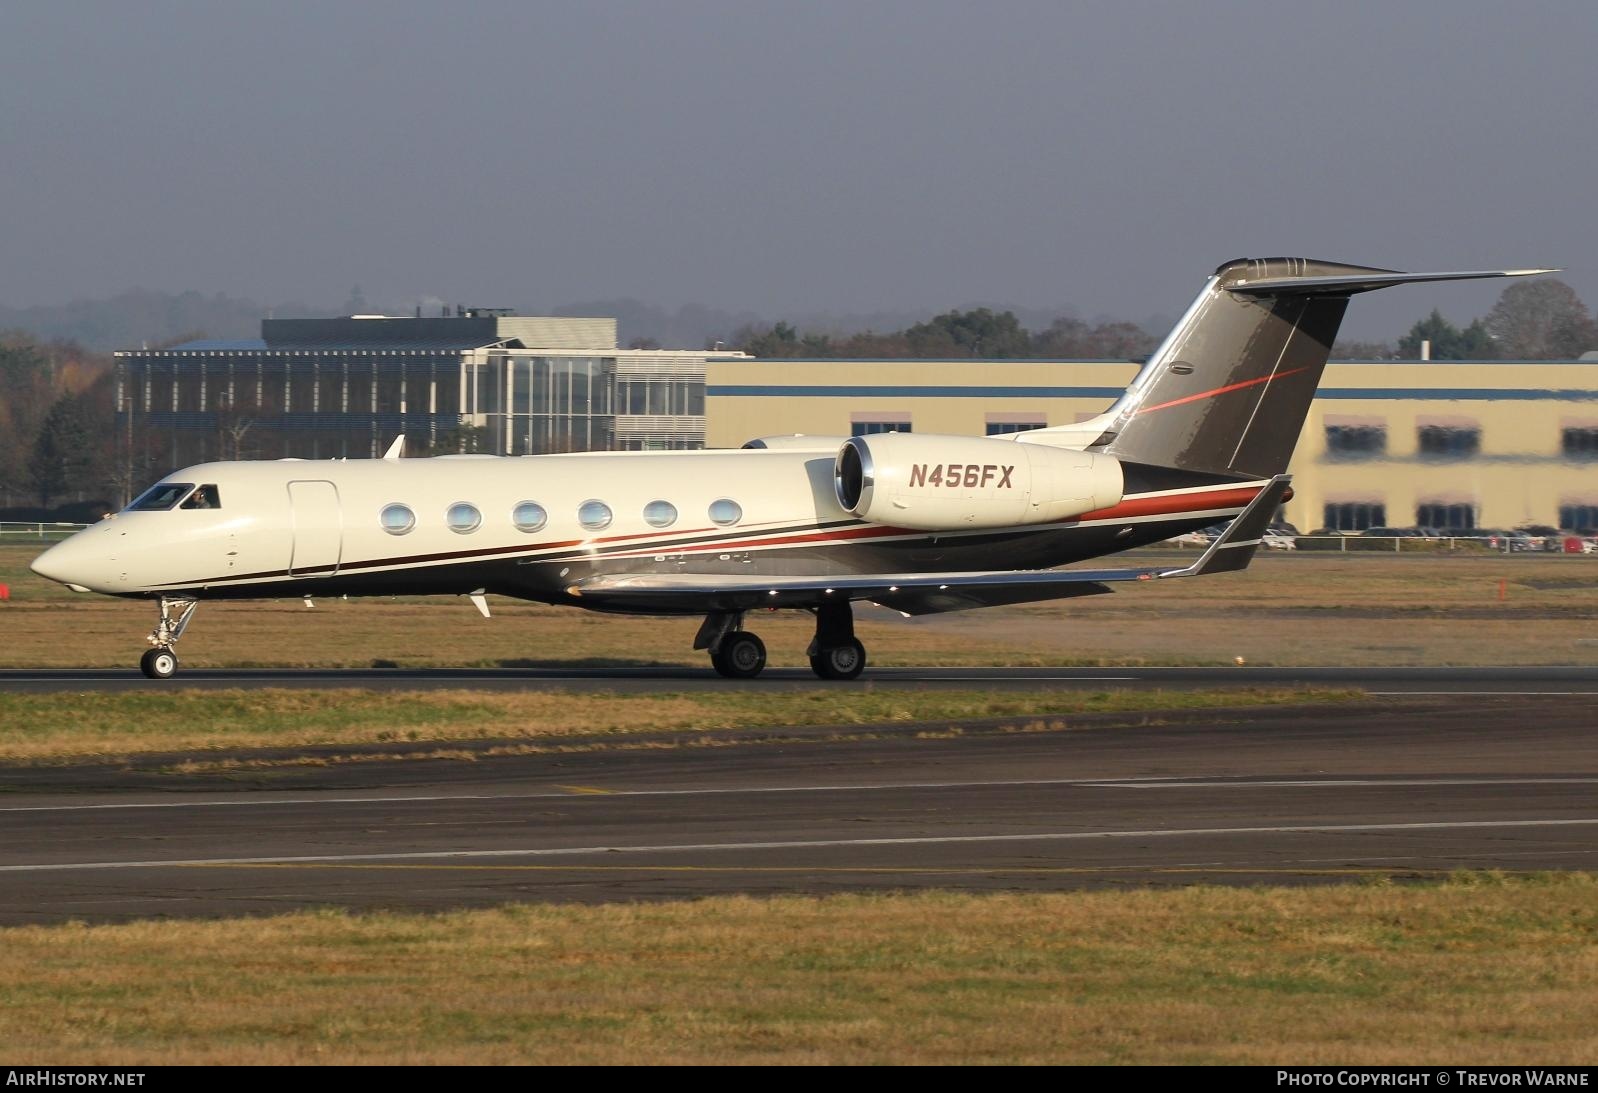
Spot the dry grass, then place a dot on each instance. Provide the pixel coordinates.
(1287, 609)
(43, 727)
(1480, 970)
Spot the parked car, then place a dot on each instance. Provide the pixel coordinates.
(1536, 537)
(1279, 540)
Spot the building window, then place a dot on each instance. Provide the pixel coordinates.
(594, 515)
(660, 514)
(1450, 441)
(1356, 441)
(1356, 515)
(529, 516)
(1456, 518)
(1580, 518)
(1579, 443)
(1004, 428)
(463, 519)
(397, 519)
(725, 511)
(871, 428)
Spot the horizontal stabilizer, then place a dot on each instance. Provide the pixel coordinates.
(1363, 282)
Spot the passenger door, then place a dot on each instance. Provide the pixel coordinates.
(318, 529)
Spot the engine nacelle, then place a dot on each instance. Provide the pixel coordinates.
(951, 483)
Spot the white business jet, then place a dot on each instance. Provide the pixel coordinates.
(914, 522)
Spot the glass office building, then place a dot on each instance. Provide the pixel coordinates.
(344, 388)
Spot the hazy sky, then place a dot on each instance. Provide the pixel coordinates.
(790, 157)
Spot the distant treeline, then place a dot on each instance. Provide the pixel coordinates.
(1540, 319)
(978, 333)
(57, 421)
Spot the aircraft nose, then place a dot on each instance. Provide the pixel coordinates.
(64, 564)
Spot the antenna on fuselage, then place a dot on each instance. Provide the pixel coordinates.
(396, 449)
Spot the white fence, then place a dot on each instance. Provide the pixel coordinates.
(1433, 544)
(13, 530)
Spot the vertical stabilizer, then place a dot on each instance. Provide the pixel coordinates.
(1229, 388)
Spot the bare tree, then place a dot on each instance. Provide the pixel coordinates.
(234, 418)
(1541, 320)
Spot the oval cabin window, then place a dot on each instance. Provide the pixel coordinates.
(660, 514)
(725, 511)
(529, 516)
(594, 515)
(463, 519)
(397, 519)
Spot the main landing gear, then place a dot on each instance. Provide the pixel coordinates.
(835, 653)
(161, 662)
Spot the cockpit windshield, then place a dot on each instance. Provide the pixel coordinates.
(204, 497)
(161, 496)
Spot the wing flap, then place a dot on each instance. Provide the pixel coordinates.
(912, 593)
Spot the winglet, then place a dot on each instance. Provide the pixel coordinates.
(396, 449)
(1234, 548)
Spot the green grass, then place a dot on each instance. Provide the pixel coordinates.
(44, 727)
(1287, 609)
(1479, 969)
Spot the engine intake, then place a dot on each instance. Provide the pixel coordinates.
(952, 483)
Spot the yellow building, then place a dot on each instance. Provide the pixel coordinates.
(1446, 444)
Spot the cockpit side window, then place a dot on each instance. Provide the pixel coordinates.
(204, 497)
(161, 496)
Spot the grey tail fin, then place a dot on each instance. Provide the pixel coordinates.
(1229, 388)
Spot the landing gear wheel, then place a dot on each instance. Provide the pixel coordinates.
(159, 664)
(741, 656)
(845, 661)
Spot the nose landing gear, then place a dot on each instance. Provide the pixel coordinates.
(161, 662)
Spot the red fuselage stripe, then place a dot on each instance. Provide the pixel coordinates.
(1175, 505)
(1224, 390)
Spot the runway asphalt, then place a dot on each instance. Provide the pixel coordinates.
(1402, 787)
(1452, 680)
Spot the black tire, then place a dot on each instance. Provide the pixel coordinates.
(742, 656)
(844, 661)
(159, 664)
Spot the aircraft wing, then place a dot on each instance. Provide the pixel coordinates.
(915, 593)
